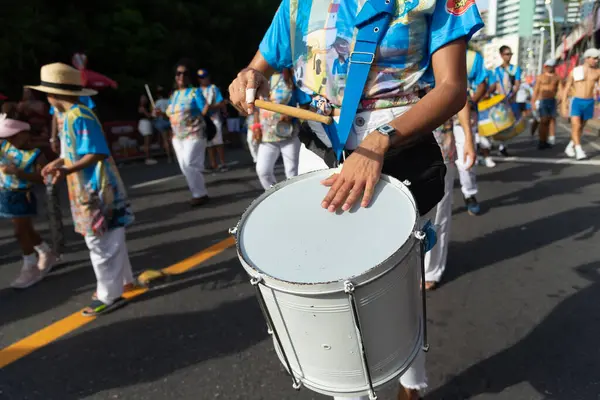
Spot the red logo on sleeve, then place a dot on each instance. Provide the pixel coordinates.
(458, 7)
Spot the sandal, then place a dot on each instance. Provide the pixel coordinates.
(430, 285)
(126, 288)
(98, 307)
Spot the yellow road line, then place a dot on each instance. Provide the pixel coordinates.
(75, 321)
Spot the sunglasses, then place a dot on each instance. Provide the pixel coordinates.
(507, 54)
(180, 73)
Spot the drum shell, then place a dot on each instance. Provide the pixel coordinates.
(495, 116)
(511, 132)
(319, 336)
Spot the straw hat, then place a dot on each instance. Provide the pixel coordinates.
(59, 78)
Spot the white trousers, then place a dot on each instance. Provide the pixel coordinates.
(267, 156)
(190, 155)
(468, 179)
(110, 260)
(435, 259)
(252, 145)
(416, 376)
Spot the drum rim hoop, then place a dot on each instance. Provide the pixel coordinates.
(336, 286)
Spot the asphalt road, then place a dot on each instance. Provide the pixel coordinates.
(517, 317)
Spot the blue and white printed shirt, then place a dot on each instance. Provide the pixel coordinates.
(316, 38)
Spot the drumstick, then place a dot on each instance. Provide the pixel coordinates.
(150, 96)
(293, 112)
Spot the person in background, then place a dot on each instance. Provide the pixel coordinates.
(463, 127)
(277, 134)
(161, 122)
(543, 102)
(216, 106)
(523, 98)
(99, 204)
(20, 167)
(35, 112)
(186, 111)
(583, 79)
(145, 127)
(506, 80)
(484, 145)
(57, 124)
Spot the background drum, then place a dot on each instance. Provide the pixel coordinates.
(341, 292)
(497, 119)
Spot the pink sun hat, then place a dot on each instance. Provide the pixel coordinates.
(10, 127)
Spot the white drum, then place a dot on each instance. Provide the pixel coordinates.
(341, 292)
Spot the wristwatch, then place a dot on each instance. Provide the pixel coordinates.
(387, 130)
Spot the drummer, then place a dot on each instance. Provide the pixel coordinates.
(458, 148)
(277, 134)
(506, 80)
(583, 79)
(477, 80)
(392, 113)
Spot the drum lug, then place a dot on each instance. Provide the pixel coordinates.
(421, 237)
(406, 182)
(233, 231)
(256, 281)
(349, 290)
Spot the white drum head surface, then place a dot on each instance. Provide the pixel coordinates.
(290, 237)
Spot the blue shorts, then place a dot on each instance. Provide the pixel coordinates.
(17, 204)
(547, 108)
(162, 125)
(582, 108)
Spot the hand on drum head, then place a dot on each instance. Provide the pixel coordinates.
(358, 177)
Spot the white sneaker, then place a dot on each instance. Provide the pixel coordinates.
(552, 140)
(29, 276)
(46, 262)
(488, 162)
(579, 153)
(570, 150)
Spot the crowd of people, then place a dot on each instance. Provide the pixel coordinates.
(401, 122)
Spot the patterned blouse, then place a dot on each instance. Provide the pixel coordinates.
(185, 113)
(97, 194)
(22, 159)
(273, 128)
(445, 139)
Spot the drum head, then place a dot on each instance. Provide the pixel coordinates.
(287, 235)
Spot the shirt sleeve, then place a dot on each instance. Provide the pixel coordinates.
(452, 21)
(88, 102)
(518, 74)
(199, 102)
(89, 137)
(492, 76)
(218, 95)
(301, 97)
(479, 72)
(275, 46)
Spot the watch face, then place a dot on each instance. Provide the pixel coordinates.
(386, 129)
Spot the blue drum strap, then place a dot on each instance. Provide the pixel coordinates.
(372, 23)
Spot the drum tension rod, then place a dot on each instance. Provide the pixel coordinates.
(255, 281)
(421, 237)
(349, 290)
